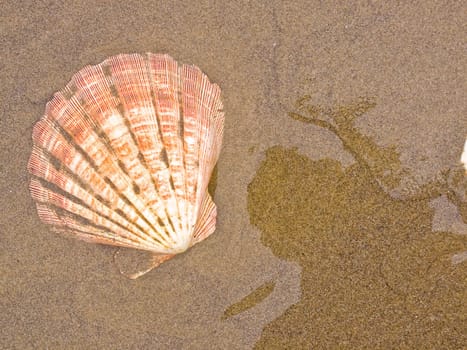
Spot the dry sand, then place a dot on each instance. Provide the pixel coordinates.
(58, 293)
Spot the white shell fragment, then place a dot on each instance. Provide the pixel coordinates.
(464, 156)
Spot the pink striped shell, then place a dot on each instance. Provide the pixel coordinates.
(123, 155)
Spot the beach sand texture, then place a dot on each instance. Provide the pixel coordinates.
(347, 233)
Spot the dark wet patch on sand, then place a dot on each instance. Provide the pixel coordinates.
(374, 273)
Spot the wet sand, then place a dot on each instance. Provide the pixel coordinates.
(252, 283)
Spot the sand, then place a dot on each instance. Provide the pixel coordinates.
(381, 275)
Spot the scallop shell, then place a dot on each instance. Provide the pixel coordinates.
(123, 155)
